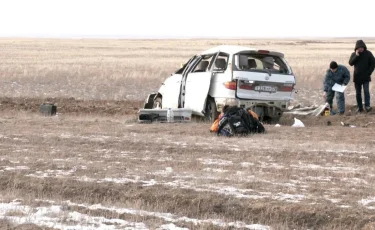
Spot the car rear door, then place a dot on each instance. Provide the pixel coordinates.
(264, 84)
(197, 86)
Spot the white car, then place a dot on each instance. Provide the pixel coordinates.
(258, 79)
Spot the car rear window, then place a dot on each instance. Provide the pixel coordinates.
(260, 62)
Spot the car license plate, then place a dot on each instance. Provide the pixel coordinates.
(265, 88)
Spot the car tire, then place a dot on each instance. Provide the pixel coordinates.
(211, 110)
(157, 103)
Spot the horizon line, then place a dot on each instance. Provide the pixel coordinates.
(137, 37)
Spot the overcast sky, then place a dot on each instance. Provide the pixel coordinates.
(190, 18)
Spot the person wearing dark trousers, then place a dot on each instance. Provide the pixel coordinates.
(336, 74)
(364, 63)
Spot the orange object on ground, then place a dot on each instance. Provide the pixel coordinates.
(215, 125)
(254, 114)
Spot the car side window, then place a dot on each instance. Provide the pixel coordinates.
(259, 64)
(203, 64)
(221, 63)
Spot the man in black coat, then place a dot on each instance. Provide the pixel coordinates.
(364, 64)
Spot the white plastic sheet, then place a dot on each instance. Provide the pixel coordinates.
(298, 123)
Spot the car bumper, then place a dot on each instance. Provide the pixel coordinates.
(280, 105)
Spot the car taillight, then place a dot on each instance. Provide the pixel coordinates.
(263, 51)
(287, 87)
(230, 85)
(248, 85)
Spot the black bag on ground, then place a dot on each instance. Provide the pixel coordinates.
(238, 121)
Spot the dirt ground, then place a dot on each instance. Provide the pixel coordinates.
(94, 159)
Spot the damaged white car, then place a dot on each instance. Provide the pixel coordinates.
(260, 80)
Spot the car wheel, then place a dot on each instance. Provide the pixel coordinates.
(211, 110)
(157, 103)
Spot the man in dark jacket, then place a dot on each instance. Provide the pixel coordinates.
(336, 74)
(364, 63)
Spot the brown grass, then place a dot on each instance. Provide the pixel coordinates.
(93, 152)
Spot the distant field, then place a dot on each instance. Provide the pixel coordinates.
(129, 69)
(92, 166)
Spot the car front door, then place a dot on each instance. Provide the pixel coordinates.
(172, 87)
(198, 83)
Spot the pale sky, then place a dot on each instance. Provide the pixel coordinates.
(190, 18)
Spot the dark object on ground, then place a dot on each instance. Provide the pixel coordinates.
(148, 117)
(238, 121)
(48, 109)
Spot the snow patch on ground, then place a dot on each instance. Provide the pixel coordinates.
(215, 162)
(55, 216)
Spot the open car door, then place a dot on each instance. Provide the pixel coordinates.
(197, 84)
(172, 87)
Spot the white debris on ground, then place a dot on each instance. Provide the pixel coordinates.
(298, 123)
(314, 110)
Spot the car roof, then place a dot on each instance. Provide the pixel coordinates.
(233, 49)
(230, 49)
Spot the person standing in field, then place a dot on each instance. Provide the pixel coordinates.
(335, 74)
(364, 63)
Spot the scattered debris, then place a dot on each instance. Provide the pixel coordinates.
(277, 125)
(366, 125)
(291, 107)
(48, 109)
(311, 110)
(347, 125)
(161, 115)
(298, 123)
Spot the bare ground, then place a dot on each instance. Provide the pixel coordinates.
(94, 159)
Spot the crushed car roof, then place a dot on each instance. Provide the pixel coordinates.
(232, 49)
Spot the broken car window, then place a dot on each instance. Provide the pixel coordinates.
(221, 62)
(260, 62)
(204, 63)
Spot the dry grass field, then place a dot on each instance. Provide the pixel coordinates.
(129, 69)
(92, 166)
